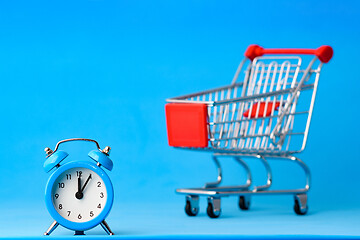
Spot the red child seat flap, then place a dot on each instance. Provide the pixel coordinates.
(187, 124)
(253, 110)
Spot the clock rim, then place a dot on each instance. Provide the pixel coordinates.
(76, 225)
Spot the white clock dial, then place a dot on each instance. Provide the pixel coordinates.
(79, 195)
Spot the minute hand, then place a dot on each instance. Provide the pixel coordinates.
(79, 184)
(86, 182)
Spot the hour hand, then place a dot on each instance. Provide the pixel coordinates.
(86, 182)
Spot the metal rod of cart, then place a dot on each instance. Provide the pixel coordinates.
(265, 116)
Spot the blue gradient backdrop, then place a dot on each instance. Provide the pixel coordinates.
(103, 69)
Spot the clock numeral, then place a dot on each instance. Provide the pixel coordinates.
(56, 196)
(61, 185)
(78, 173)
(69, 213)
(68, 176)
(79, 217)
(101, 195)
(60, 206)
(99, 184)
(91, 213)
(99, 206)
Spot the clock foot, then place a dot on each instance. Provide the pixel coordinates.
(52, 227)
(79, 233)
(106, 227)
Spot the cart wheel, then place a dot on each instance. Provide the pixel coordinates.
(244, 202)
(298, 209)
(210, 211)
(191, 211)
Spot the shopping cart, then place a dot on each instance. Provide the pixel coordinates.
(267, 115)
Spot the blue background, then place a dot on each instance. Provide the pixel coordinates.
(103, 69)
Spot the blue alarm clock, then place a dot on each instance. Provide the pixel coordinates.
(79, 194)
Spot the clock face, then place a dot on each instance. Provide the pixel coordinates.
(79, 194)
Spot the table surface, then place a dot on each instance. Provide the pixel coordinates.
(149, 220)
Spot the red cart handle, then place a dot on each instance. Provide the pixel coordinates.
(324, 53)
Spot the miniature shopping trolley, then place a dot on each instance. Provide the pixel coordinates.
(266, 116)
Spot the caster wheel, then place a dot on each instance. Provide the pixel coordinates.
(189, 210)
(211, 213)
(244, 203)
(298, 209)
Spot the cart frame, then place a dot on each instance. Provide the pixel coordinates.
(259, 136)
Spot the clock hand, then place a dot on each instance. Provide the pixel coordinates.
(87, 180)
(79, 184)
(79, 194)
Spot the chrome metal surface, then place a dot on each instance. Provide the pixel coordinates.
(52, 227)
(244, 189)
(216, 203)
(247, 170)
(277, 128)
(106, 228)
(302, 199)
(218, 193)
(311, 108)
(194, 203)
(306, 171)
(214, 186)
(106, 150)
(219, 178)
(270, 81)
(238, 70)
(268, 173)
(49, 151)
(286, 87)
